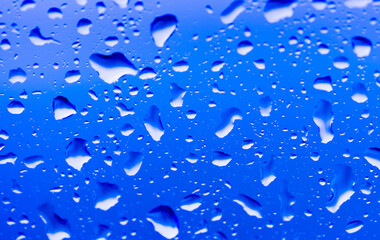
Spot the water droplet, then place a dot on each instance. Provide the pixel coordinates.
(249, 205)
(27, 4)
(361, 46)
(277, 10)
(259, 64)
(17, 75)
(342, 187)
(153, 124)
(37, 39)
(127, 129)
(354, 226)
(122, 3)
(265, 104)
(244, 47)
(357, 3)
(124, 111)
(84, 26)
(191, 202)
(15, 107)
(33, 161)
(287, 200)
(164, 221)
(221, 159)
(72, 76)
(217, 66)
(323, 83)
(232, 11)
(77, 153)
(177, 95)
(57, 227)
(63, 108)
(228, 118)
(108, 196)
(55, 13)
(8, 158)
(372, 155)
(341, 62)
(359, 93)
(162, 28)
(323, 118)
(181, 66)
(147, 73)
(133, 164)
(267, 172)
(112, 67)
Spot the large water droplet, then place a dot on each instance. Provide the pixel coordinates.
(244, 47)
(108, 196)
(372, 155)
(191, 202)
(15, 107)
(77, 153)
(354, 226)
(133, 164)
(72, 76)
(249, 205)
(84, 26)
(323, 83)
(232, 11)
(276, 10)
(162, 28)
(361, 46)
(33, 161)
(359, 93)
(63, 108)
(112, 67)
(221, 159)
(228, 118)
(323, 118)
(17, 75)
(164, 221)
(37, 39)
(153, 124)
(342, 187)
(8, 158)
(177, 95)
(57, 227)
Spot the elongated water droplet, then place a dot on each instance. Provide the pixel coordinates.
(323, 118)
(249, 205)
(37, 39)
(177, 95)
(162, 28)
(133, 164)
(153, 124)
(232, 11)
(228, 118)
(342, 187)
(354, 226)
